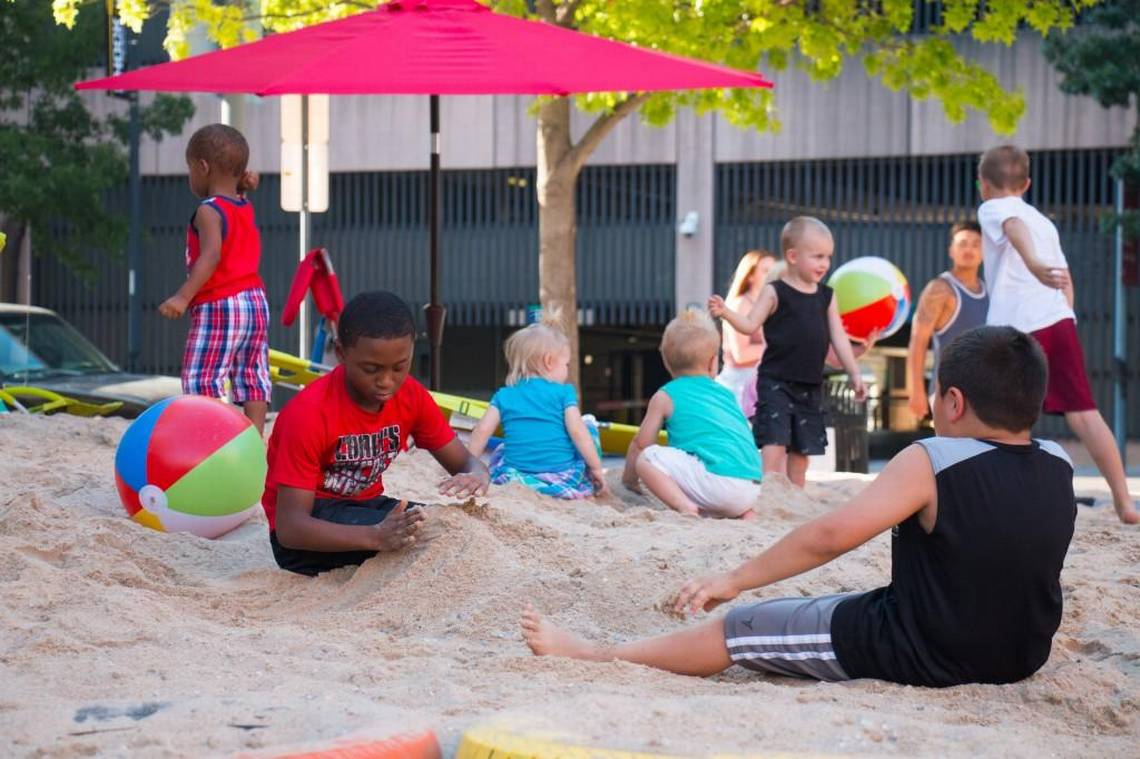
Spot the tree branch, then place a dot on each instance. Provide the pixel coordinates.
(601, 127)
(301, 14)
(545, 10)
(566, 12)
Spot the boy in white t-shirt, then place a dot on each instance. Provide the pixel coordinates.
(1030, 289)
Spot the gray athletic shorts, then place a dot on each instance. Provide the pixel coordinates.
(787, 636)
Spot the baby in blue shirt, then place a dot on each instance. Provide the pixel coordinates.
(710, 467)
(548, 446)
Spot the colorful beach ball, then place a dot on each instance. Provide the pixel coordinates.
(191, 464)
(872, 294)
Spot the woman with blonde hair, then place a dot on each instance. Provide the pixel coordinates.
(742, 353)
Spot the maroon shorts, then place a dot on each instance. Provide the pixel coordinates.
(1068, 388)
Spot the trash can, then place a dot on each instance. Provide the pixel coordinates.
(849, 418)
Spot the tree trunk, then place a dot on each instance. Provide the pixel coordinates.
(557, 222)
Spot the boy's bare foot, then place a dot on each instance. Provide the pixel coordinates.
(749, 516)
(547, 639)
(1127, 512)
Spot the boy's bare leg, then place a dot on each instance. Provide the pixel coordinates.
(255, 411)
(775, 459)
(698, 650)
(1094, 433)
(797, 468)
(663, 486)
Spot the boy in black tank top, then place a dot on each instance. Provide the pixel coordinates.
(981, 518)
(800, 321)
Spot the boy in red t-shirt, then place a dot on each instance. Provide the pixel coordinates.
(332, 442)
(229, 315)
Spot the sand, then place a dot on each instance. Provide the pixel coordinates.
(120, 640)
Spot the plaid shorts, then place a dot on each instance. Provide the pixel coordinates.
(570, 483)
(229, 340)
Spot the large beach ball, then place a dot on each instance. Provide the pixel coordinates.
(872, 294)
(191, 464)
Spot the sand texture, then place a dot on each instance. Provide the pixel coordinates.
(120, 640)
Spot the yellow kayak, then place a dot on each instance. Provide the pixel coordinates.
(462, 413)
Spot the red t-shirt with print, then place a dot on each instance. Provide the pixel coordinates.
(324, 442)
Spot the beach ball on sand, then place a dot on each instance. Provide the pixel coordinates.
(872, 294)
(191, 464)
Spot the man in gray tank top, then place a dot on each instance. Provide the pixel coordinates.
(954, 302)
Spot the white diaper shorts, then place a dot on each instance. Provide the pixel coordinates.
(715, 495)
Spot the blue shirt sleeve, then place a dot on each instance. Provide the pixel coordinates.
(569, 397)
(497, 399)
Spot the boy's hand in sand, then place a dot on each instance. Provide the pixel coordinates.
(716, 306)
(466, 484)
(173, 307)
(705, 593)
(399, 528)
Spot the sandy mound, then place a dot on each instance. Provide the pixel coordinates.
(117, 639)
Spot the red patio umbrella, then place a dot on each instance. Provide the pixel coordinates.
(431, 47)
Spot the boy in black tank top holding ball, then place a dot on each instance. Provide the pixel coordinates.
(980, 519)
(800, 320)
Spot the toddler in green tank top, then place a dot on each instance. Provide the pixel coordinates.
(711, 466)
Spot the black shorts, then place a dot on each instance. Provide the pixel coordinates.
(790, 414)
(312, 563)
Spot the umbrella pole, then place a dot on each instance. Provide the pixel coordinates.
(434, 310)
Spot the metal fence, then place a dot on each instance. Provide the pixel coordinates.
(376, 231)
(902, 209)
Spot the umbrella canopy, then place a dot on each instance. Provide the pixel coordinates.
(431, 47)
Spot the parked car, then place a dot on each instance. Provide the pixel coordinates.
(38, 348)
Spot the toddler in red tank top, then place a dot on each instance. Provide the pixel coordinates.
(229, 314)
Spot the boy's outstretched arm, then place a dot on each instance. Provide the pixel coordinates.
(483, 431)
(298, 529)
(208, 222)
(746, 323)
(660, 408)
(584, 444)
(469, 475)
(1022, 240)
(905, 486)
(842, 346)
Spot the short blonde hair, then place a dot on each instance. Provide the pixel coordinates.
(794, 232)
(1006, 167)
(526, 349)
(689, 341)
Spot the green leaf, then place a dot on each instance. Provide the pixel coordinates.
(59, 160)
